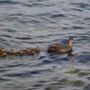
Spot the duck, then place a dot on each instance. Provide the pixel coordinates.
(37, 49)
(20, 52)
(61, 48)
(11, 52)
(28, 51)
(2, 50)
(24, 51)
(33, 52)
(4, 54)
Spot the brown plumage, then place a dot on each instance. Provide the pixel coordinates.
(11, 52)
(2, 50)
(61, 48)
(4, 54)
(20, 52)
(36, 49)
(28, 51)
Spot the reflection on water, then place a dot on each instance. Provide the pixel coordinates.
(39, 23)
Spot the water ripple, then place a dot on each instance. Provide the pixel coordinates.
(81, 5)
(58, 15)
(40, 23)
(8, 2)
(26, 74)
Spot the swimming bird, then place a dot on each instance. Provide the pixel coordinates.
(33, 51)
(37, 49)
(11, 52)
(61, 48)
(28, 51)
(2, 50)
(3, 54)
(20, 52)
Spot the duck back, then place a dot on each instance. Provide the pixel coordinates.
(59, 49)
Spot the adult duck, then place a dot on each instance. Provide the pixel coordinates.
(61, 48)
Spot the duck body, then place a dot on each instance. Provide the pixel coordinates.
(61, 48)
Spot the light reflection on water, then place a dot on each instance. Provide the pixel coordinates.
(27, 24)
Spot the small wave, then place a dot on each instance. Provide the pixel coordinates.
(77, 27)
(3, 79)
(9, 30)
(76, 9)
(2, 71)
(57, 15)
(23, 38)
(6, 36)
(8, 2)
(26, 74)
(81, 5)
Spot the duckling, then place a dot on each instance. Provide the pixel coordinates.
(21, 52)
(32, 52)
(11, 52)
(4, 54)
(28, 51)
(24, 51)
(37, 49)
(61, 48)
(17, 53)
(2, 50)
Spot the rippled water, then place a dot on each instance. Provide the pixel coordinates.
(39, 23)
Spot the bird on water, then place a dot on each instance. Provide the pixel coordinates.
(61, 48)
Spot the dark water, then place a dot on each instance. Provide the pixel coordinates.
(39, 23)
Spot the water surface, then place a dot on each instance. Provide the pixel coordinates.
(40, 23)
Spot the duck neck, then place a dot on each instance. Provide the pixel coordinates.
(70, 44)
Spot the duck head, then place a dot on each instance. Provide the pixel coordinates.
(2, 50)
(71, 41)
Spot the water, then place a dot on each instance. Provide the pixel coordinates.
(39, 23)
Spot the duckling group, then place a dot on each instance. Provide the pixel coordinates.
(51, 49)
(4, 53)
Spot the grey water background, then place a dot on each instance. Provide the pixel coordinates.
(40, 23)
